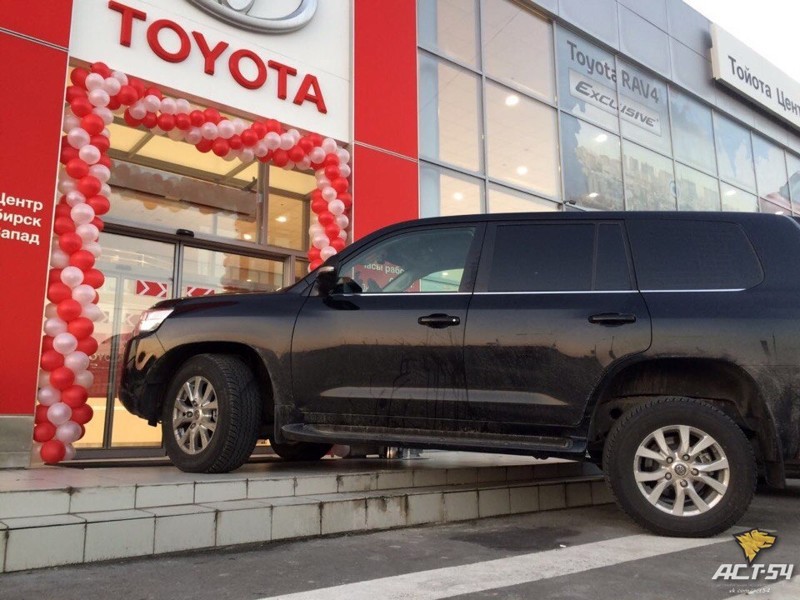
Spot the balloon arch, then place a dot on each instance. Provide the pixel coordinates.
(95, 95)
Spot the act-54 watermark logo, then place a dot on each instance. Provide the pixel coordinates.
(752, 543)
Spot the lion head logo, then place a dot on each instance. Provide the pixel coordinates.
(753, 542)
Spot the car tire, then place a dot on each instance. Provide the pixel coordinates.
(300, 451)
(655, 484)
(211, 414)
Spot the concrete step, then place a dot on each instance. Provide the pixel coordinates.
(169, 511)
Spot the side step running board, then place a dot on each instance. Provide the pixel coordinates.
(347, 434)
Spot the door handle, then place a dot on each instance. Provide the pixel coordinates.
(439, 321)
(612, 318)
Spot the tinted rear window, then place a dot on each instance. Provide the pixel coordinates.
(692, 255)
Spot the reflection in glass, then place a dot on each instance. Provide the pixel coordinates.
(649, 181)
(449, 116)
(444, 193)
(286, 222)
(696, 190)
(592, 165)
(693, 134)
(586, 80)
(522, 142)
(793, 167)
(300, 269)
(450, 27)
(206, 272)
(505, 200)
(771, 178)
(734, 154)
(517, 47)
(643, 108)
(734, 199)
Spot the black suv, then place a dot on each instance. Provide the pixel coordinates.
(663, 346)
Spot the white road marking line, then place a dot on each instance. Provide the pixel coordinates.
(504, 572)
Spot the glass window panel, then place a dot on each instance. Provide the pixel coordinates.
(292, 181)
(163, 149)
(737, 200)
(793, 167)
(643, 108)
(517, 47)
(207, 272)
(587, 80)
(592, 165)
(300, 269)
(450, 27)
(286, 222)
(504, 200)
(734, 154)
(765, 206)
(449, 114)
(522, 142)
(124, 138)
(692, 132)
(446, 193)
(649, 181)
(771, 178)
(696, 190)
(158, 199)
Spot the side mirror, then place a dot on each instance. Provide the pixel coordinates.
(326, 279)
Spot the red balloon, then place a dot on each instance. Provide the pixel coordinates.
(204, 145)
(94, 278)
(235, 142)
(326, 218)
(154, 91)
(51, 360)
(260, 128)
(347, 200)
(74, 396)
(98, 222)
(280, 157)
(74, 91)
(319, 206)
(89, 186)
(221, 147)
(81, 328)
(101, 68)
(47, 343)
(81, 106)
(76, 168)
(63, 225)
(313, 253)
(40, 414)
(83, 259)
(100, 142)
(315, 138)
(273, 125)
(68, 153)
(57, 292)
(54, 275)
(249, 138)
(306, 144)
(61, 378)
(183, 121)
(315, 264)
(87, 345)
(166, 122)
(70, 242)
(340, 184)
(53, 452)
(44, 432)
(100, 204)
(105, 161)
(150, 120)
(331, 160)
(332, 231)
(82, 414)
(130, 119)
(78, 76)
(63, 210)
(83, 429)
(137, 85)
(96, 298)
(68, 310)
(332, 172)
(212, 115)
(127, 95)
(113, 103)
(197, 118)
(93, 124)
(296, 154)
(338, 243)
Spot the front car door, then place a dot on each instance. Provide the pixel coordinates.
(384, 348)
(554, 305)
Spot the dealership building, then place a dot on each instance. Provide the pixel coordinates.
(445, 107)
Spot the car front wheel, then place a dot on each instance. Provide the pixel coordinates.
(680, 467)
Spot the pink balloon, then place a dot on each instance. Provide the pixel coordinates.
(67, 432)
(59, 413)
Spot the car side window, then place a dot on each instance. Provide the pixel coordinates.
(411, 262)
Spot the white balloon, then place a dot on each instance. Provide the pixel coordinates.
(77, 361)
(138, 110)
(99, 98)
(105, 190)
(168, 106)
(71, 276)
(92, 247)
(92, 312)
(44, 378)
(82, 213)
(48, 395)
(84, 294)
(289, 166)
(67, 432)
(58, 258)
(344, 155)
(322, 181)
(247, 155)
(317, 155)
(157, 130)
(89, 154)
(295, 135)
(329, 146)
(94, 81)
(305, 164)
(59, 413)
(343, 234)
(75, 197)
(65, 343)
(273, 140)
(50, 311)
(106, 133)
(226, 129)
(176, 134)
(342, 221)
(261, 149)
(182, 106)
(239, 125)
(69, 451)
(77, 137)
(231, 155)
(120, 76)
(344, 170)
(66, 184)
(104, 113)
(84, 379)
(209, 131)
(336, 207)
(320, 241)
(88, 232)
(70, 122)
(194, 135)
(315, 230)
(151, 103)
(287, 141)
(328, 193)
(327, 252)
(54, 326)
(101, 172)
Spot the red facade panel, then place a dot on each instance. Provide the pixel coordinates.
(46, 21)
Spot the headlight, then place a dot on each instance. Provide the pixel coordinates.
(151, 319)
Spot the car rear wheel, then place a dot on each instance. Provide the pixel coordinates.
(680, 467)
(211, 414)
(300, 451)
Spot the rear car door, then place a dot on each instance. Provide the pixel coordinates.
(554, 305)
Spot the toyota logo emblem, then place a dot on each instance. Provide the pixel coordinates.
(244, 14)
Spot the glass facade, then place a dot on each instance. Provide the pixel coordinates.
(543, 119)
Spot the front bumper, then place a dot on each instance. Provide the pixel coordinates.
(140, 387)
